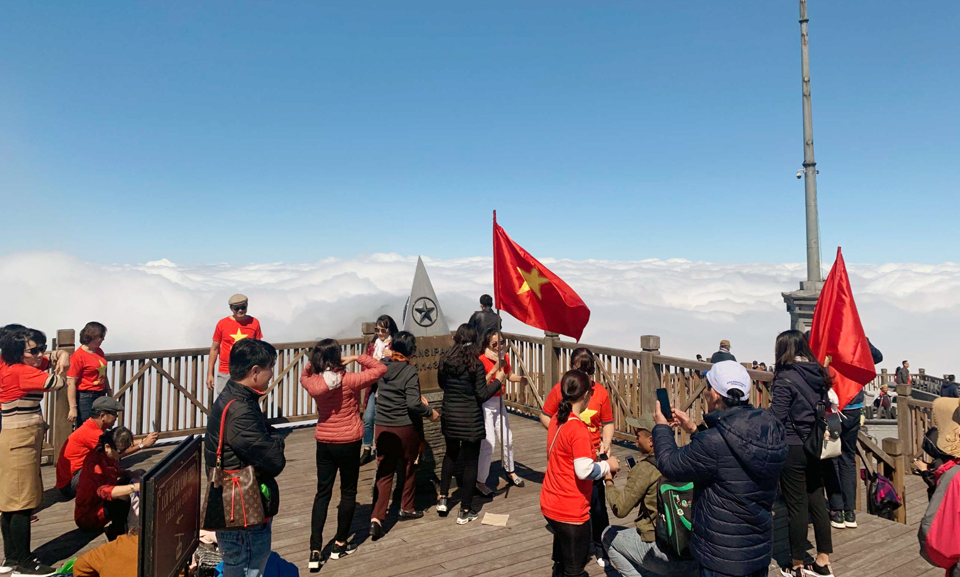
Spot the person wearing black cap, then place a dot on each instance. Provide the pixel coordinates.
(230, 330)
(485, 320)
(633, 551)
(80, 442)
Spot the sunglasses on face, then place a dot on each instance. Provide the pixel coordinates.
(494, 345)
(383, 331)
(37, 350)
(239, 309)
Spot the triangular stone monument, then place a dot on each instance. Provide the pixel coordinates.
(422, 315)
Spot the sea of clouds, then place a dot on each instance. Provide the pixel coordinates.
(910, 311)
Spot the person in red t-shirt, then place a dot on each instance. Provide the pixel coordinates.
(571, 470)
(87, 378)
(85, 439)
(103, 495)
(598, 417)
(229, 331)
(495, 420)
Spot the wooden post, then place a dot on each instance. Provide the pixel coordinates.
(60, 427)
(649, 379)
(551, 362)
(894, 448)
(904, 418)
(369, 332)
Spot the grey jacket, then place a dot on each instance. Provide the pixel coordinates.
(398, 396)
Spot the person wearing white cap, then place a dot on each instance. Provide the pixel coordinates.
(734, 460)
(230, 330)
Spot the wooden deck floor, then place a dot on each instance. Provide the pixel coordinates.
(438, 546)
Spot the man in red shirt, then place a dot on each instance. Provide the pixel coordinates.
(598, 417)
(85, 439)
(229, 331)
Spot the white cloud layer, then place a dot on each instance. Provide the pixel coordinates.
(910, 311)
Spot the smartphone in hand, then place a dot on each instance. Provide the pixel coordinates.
(631, 462)
(663, 397)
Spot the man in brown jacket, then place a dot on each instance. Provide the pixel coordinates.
(633, 551)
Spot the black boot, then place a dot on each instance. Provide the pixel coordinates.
(366, 456)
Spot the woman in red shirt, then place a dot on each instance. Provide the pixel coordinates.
(495, 420)
(22, 385)
(571, 470)
(87, 379)
(104, 490)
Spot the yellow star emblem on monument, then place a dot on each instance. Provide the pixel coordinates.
(586, 415)
(531, 281)
(238, 337)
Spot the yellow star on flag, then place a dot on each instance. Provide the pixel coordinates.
(587, 415)
(238, 337)
(531, 281)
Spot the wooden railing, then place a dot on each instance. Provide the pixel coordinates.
(166, 392)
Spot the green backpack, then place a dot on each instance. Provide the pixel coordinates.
(675, 518)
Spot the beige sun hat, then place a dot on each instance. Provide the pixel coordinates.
(946, 418)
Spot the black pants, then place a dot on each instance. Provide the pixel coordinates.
(85, 401)
(571, 547)
(333, 457)
(801, 483)
(599, 518)
(471, 458)
(841, 473)
(15, 527)
(70, 491)
(117, 512)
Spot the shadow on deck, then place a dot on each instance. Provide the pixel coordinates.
(438, 546)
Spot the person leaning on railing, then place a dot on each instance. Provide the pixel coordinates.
(338, 433)
(571, 471)
(87, 379)
(22, 385)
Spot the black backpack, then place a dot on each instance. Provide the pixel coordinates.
(675, 518)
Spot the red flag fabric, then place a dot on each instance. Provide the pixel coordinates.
(530, 292)
(837, 333)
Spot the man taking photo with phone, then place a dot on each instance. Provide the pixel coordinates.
(738, 451)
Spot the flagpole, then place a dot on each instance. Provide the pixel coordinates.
(503, 408)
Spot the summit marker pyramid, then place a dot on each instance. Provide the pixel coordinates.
(422, 314)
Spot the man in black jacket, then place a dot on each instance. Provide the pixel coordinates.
(484, 320)
(734, 463)
(247, 440)
(723, 354)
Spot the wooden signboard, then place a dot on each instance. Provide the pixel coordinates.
(427, 359)
(170, 511)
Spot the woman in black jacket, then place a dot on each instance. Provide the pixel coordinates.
(399, 404)
(799, 383)
(463, 381)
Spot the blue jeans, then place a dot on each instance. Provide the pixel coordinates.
(633, 557)
(85, 401)
(369, 414)
(245, 553)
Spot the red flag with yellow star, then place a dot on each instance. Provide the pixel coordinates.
(530, 292)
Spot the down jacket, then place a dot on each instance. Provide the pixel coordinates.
(735, 464)
(338, 399)
(247, 439)
(796, 391)
(463, 396)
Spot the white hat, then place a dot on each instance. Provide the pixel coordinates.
(728, 375)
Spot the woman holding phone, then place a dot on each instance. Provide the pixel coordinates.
(496, 364)
(571, 471)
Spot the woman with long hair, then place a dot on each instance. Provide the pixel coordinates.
(104, 490)
(571, 471)
(799, 384)
(399, 403)
(465, 390)
(338, 434)
(379, 348)
(22, 385)
(496, 365)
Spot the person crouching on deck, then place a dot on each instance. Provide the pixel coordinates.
(104, 489)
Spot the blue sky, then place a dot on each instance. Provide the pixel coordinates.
(249, 132)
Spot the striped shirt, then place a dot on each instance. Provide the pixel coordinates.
(21, 393)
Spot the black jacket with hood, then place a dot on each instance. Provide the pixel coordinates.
(796, 391)
(735, 465)
(465, 389)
